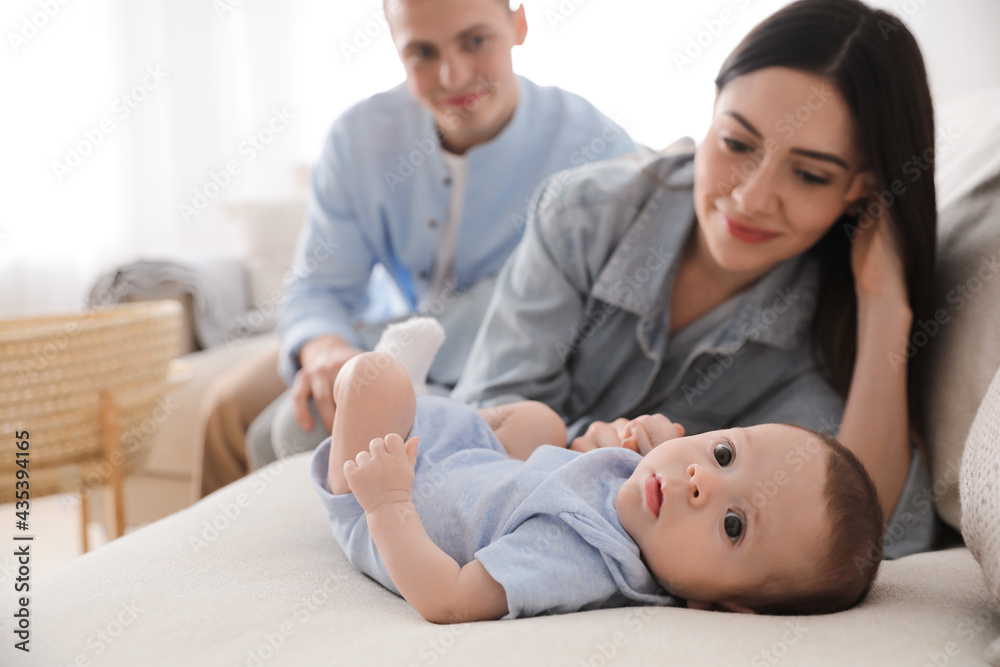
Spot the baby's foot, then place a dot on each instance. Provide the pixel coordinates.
(413, 343)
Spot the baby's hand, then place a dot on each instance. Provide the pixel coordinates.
(383, 474)
(647, 431)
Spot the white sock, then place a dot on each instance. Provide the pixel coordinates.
(413, 343)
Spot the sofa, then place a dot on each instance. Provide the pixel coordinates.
(252, 576)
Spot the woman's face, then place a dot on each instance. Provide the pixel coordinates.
(777, 168)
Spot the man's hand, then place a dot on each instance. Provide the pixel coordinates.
(384, 474)
(322, 358)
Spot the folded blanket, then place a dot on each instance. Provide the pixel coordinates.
(219, 290)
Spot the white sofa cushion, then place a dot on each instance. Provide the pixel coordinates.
(252, 576)
(961, 334)
(980, 494)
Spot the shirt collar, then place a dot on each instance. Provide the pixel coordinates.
(513, 131)
(635, 274)
(777, 310)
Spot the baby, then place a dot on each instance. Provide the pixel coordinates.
(770, 518)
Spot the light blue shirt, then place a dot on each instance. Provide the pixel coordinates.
(580, 321)
(545, 529)
(580, 316)
(381, 192)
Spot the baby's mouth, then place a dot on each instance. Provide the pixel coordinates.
(654, 494)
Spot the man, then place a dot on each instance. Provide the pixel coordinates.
(431, 180)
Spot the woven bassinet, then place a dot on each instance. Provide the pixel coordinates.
(58, 373)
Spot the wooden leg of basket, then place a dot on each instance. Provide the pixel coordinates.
(113, 455)
(84, 511)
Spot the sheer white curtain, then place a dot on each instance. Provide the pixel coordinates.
(130, 124)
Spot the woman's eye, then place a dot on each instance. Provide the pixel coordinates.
(723, 453)
(812, 179)
(736, 146)
(733, 523)
(475, 41)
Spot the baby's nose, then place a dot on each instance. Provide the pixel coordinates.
(696, 487)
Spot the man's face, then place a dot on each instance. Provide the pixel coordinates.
(457, 56)
(716, 515)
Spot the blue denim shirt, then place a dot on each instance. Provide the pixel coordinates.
(381, 192)
(580, 317)
(580, 321)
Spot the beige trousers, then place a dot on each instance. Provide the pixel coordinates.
(232, 402)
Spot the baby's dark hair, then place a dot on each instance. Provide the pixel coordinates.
(845, 572)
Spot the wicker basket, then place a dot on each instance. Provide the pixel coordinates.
(71, 381)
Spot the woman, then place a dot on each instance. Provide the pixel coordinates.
(773, 276)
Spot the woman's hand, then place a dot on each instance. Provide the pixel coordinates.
(640, 435)
(648, 431)
(601, 434)
(875, 261)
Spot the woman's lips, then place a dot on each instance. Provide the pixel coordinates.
(463, 100)
(749, 234)
(654, 494)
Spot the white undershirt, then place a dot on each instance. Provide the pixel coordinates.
(442, 279)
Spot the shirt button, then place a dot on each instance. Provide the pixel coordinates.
(424, 275)
(447, 180)
(432, 224)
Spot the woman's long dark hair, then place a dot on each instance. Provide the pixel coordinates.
(875, 63)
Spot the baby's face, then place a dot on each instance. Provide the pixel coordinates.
(716, 514)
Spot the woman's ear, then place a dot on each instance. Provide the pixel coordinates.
(861, 187)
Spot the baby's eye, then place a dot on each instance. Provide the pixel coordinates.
(733, 524)
(723, 453)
